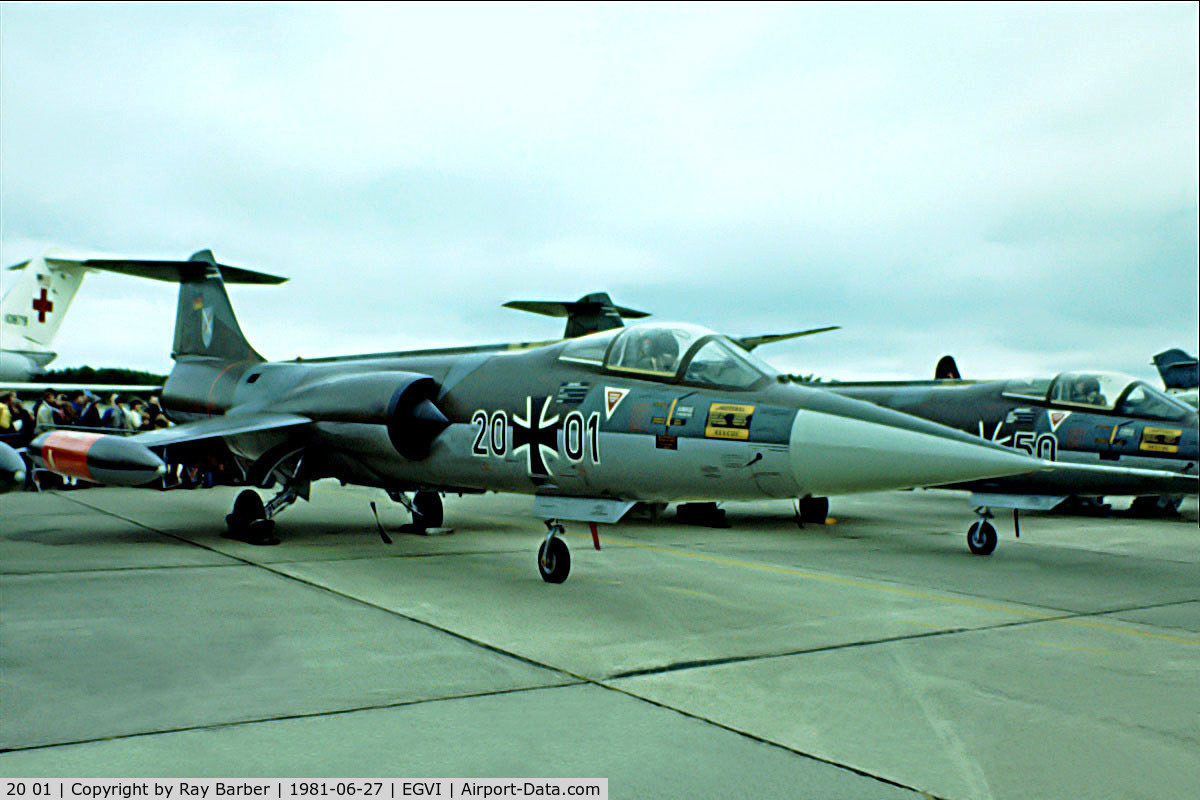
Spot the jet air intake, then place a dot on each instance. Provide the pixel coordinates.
(403, 401)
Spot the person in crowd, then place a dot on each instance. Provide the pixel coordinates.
(89, 417)
(114, 413)
(46, 413)
(22, 420)
(135, 415)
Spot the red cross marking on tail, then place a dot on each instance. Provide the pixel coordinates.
(43, 305)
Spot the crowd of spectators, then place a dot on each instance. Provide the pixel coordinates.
(111, 413)
(77, 410)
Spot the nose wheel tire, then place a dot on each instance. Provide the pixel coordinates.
(554, 560)
(981, 538)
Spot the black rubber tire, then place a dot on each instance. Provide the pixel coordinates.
(427, 510)
(554, 560)
(814, 509)
(1156, 506)
(248, 507)
(981, 538)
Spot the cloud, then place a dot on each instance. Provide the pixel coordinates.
(1014, 183)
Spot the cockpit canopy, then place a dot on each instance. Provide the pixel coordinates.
(1105, 391)
(670, 351)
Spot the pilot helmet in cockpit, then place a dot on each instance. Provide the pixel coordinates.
(657, 350)
(1087, 390)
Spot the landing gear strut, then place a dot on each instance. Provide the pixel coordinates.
(251, 520)
(554, 557)
(425, 508)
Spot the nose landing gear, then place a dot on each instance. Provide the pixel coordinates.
(554, 557)
(981, 537)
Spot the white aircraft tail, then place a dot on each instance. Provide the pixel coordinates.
(35, 304)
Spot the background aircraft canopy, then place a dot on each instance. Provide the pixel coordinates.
(1145, 400)
(661, 349)
(1110, 391)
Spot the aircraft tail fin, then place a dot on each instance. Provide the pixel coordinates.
(205, 324)
(36, 303)
(589, 314)
(946, 370)
(1178, 369)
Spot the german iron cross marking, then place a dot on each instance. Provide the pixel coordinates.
(534, 434)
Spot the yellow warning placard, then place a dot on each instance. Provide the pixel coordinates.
(729, 421)
(1161, 440)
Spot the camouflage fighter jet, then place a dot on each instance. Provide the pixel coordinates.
(653, 412)
(1107, 434)
(1180, 374)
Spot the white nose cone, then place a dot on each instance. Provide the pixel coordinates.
(839, 455)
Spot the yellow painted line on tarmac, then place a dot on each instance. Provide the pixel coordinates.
(860, 583)
(1095, 650)
(1115, 628)
(680, 590)
(857, 583)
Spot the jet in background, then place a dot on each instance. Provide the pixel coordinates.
(1180, 374)
(34, 307)
(1108, 434)
(596, 312)
(590, 425)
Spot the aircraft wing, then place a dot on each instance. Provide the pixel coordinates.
(102, 389)
(1067, 478)
(1141, 481)
(217, 427)
(751, 342)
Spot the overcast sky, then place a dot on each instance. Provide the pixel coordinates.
(1016, 185)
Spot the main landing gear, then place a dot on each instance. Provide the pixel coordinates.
(251, 520)
(425, 508)
(812, 509)
(554, 557)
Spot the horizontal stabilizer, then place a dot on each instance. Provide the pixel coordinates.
(157, 269)
(215, 427)
(751, 342)
(562, 308)
(589, 314)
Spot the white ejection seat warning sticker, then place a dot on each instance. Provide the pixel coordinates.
(612, 399)
(1056, 419)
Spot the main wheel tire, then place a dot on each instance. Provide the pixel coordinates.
(554, 560)
(814, 509)
(427, 510)
(249, 506)
(981, 538)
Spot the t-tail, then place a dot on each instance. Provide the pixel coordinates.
(210, 350)
(1178, 369)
